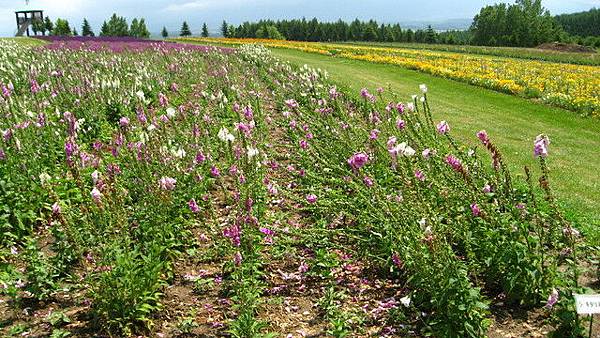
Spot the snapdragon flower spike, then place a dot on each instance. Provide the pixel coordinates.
(311, 198)
(540, 146)
(96, 195)
(483, 137)
(455, 163)
(420, 175)
(475, 210)
(400, 124)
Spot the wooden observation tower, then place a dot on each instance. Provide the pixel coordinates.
(26, 18)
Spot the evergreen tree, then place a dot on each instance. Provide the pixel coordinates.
(143, 31)
(86, 29)
(430, 35)
(49, 25)
(104, 30)
(75, 33)
(185, 30)
(225, 29)
(164, 33)
(204, 30)
(370, 33)
(134, 28)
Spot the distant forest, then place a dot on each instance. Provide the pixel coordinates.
(523, 24)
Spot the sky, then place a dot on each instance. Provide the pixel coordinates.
(159, 13)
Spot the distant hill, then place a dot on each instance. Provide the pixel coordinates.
(582, 23)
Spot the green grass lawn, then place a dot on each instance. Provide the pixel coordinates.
(25, 41)
(512, 123)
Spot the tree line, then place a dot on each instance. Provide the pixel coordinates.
(581, 24)
(357, 30)
(115, 26)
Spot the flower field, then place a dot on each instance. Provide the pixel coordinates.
(573, 87)
(174, 190)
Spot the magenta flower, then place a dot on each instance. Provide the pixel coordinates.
(368, 181)
(396, 260)
(427, 153)
(233, 233)
(358, 160)
(540, 146)
(193, 206)
(303, 144)
(214, 171)
(487, 189)
(552, 299)
(374, 134)
(237, 258)
(56, 208)
(248, 113)
(311, 198)
(167, 183)
(443, 127)
(419, 175)
(2, 155)
(475, 210)
(200, 158)
(266, 231)
(163, 100)
(400, 124)
(35, 87)
(483, 137)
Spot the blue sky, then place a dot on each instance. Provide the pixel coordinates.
(160, 13)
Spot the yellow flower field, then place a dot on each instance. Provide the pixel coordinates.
(573, 87)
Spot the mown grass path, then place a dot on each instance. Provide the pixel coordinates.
(512, 122)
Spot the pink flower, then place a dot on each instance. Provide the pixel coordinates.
(483, 137)
(368, 181)
(419, 175)
(291, 103)
(237, 258)
(200, 157)
(96, 195)
(487, 189)
(454, 162)
(167, 183)
(303, 144)
(443, 127)
(311, 198)
(540, 146)
(266, 231)
(358, 160)
(163, 100)
(303, 267)
(56, 208)
(427, 153)
(374, 134)
(193, 206)
(475, 210)
(124, 121)
(248, 113)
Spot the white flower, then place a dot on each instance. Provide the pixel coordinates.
(225, 136)
(44, 177)
(408, 151)
(423, 222)
(414, 97)
(140, 94)
(405, 301)
(252, 152)
(151, 127)
(171, 112)
(95, 176)
(423, 88)
(180, 153)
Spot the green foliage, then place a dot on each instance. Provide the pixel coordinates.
(116, 26)
(164, 33)
(61, 27)
(524, 24)
(204, 33)
(138, 29)
(185, 30)
(86, 29)
(582, 23)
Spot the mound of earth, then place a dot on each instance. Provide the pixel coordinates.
(566, 47)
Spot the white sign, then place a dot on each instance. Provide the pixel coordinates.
(587, 304)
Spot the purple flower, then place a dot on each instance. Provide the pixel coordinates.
(167, 183)
(214, 171)
(200, 157)
(193, 206)
(419, 175)
(2, 155)
(35, 87)
(475, 210)
(427, 153)
(237, 258)
(248, 113)
(368, 181)
(233, 233)
(396, 260)
(540, 146)
(358, 160)
(266, 231)
(303, 144)
(311, 198)
(163, 100)
(552, 299)
(400, 124)
(487, 189)
(443, 127)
